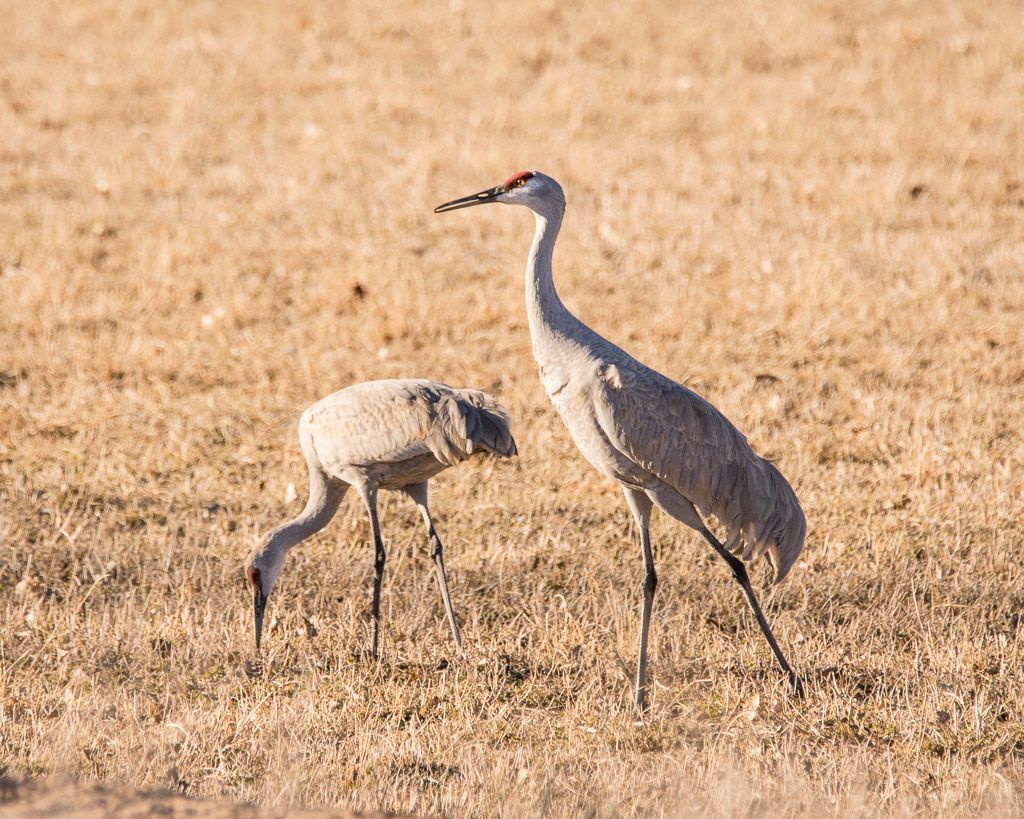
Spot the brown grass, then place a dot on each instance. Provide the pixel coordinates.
(214, 213)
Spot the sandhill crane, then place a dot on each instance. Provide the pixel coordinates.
(664, 444)
(381, 435)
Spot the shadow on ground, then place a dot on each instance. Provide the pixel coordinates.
(60, 798)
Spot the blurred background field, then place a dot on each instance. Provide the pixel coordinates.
(211, 214)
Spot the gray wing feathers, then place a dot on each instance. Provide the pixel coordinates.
(687, 444)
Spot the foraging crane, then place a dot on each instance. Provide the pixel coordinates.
(381, 435)
(664, 444)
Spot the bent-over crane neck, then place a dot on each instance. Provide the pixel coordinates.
(320, 508)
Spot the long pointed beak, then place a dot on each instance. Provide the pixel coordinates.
(481, 198)
(259, 605)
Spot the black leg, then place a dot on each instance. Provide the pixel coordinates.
(650, 585)
(418, 493)
(739, 571)
(378, 580)
(369, 495)
(640, 506)
(437, 555)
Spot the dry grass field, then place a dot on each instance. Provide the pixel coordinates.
(213, 213)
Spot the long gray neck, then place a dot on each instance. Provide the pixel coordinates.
(282, 538)
(320, 508)
(549, 319)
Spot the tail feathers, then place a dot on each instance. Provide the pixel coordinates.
(495, 436)
(468, 420)
(491, 424)
(772, 524)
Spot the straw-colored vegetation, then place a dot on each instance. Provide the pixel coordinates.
(213, 213)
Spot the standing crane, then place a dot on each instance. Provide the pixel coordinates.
(381, 435)
(661, 442)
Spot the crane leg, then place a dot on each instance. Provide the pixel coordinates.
(369, 495)
(640, 505)
(418, 492)
(739, 571)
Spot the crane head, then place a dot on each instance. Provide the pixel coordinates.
(260, 572)
(259, 599)
(530, 188)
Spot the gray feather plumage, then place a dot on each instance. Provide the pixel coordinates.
(394, 421)
(646, 431)
(662, 443)
(392, 435)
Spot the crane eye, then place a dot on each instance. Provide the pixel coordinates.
(520, 183)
